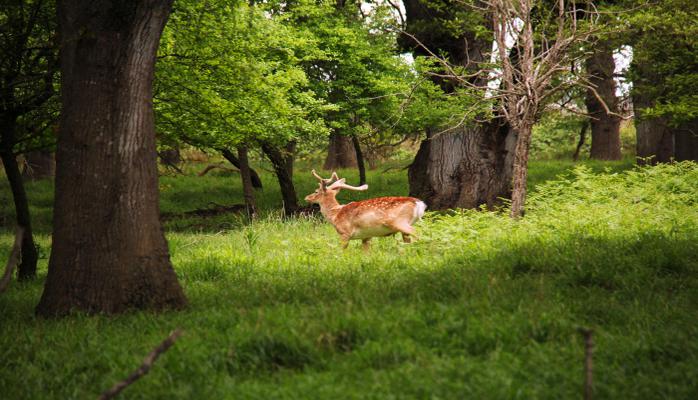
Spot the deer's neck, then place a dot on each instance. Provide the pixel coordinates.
(329, 207)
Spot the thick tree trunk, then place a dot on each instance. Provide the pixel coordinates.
(471, 165)
(247, 189)
(340, 154)
(41, 164)
(464, 169)
(288, 191)
(605, 128)
(109, 253)
(27, 268)
(655, 138)
(359, 159)
(230, 156)
(518, 194)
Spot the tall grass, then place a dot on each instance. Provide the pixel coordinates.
(481, 306)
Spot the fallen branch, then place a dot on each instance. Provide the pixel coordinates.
(144, 368)
(397, 168)
(13, 260)
(214, 166)
(216, 209)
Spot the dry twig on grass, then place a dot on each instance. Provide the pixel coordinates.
(13, 260)
(145, 366)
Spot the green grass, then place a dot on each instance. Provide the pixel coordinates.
(480, 307)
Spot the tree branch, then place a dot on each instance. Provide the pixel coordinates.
(144, 368)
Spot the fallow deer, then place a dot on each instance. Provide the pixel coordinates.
(382, 216)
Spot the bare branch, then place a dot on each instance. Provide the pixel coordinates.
(145, 366)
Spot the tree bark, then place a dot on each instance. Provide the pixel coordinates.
(290, 156)
(518, 194)
(359, 159)
(29, 256)
(605, 128)
(247, 189)
(109, 253)
(340, 153)
(464, 169)
(41, 164)
(655, 139)
(472, 165)
(288, 191)
(230, 156)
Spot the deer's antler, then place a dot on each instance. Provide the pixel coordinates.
(323, 181)
(340, 184)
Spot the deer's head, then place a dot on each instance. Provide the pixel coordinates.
(328, 188)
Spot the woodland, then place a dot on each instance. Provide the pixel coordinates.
(186, 199)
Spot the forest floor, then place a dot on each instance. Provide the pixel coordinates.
(481, 306)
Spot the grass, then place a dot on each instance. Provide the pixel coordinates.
(480, 307)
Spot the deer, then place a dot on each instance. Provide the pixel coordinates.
(366, 219)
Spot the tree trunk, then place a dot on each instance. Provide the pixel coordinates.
(655, 139)
(230, 156)
(686, 141)
(41, 164)
(582, 136)
(471, 165)
(518, 194)
(288, 191)
(464, 169)
(247, 189)
(289, 156)
(359, 159)
(27, 268)
(109, 253)
(605, 128)
(340, 153)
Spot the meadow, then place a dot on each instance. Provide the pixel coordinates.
(481, 306)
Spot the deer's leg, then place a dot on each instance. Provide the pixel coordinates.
(366, 244)
(406, 229)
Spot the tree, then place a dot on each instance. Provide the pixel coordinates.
(469, 163)
(248, 89)
(109, 253)
(605, 126)
(28, 63)
(664, 73)
(530, 75)
(340, 153)
(360, 73)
